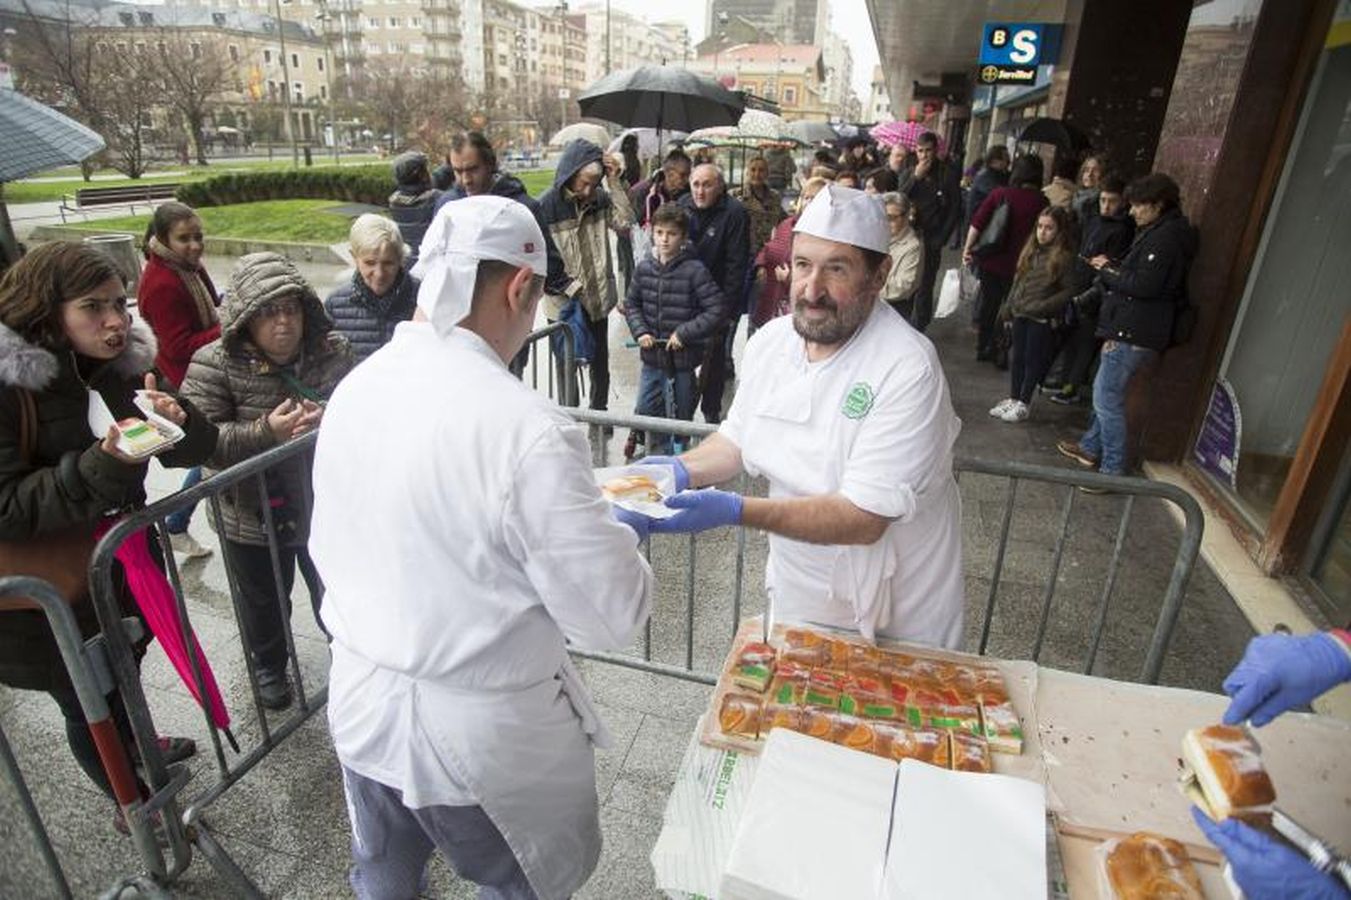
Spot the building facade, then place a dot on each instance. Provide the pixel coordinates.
(1246, 103)
(793, 76)
(787, 21)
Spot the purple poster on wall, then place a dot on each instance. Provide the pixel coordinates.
(1216, 448)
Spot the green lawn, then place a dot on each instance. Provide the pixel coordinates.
(536, 181)
(272, 220)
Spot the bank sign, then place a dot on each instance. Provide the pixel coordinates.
(1011, 52)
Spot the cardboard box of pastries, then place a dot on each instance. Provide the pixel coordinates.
(899, 705)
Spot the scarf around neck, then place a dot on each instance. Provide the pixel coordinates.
(191, 276)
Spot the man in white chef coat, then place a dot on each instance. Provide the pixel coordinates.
(465, 547)
(843, 407)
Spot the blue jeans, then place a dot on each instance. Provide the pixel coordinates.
(1106, 435)
(652, 402)
(177, 522)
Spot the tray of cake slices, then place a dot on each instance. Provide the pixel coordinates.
(895, 703)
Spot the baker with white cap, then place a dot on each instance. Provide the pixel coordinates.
(844, 409)
(465, 548)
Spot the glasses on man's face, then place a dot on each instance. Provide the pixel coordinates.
(275, 309)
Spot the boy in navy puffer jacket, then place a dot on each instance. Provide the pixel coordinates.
(673, 306)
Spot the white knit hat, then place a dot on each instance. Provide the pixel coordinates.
(848, 216)
(463, 233)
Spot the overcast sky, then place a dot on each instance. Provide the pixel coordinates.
(849, 20)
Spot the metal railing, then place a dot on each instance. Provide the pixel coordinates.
(84, 663)
(1015, 475)
(684, 638)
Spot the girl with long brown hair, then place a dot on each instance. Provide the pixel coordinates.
(1043, 282)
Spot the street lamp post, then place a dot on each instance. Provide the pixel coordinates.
(324, 16)
(286, 85)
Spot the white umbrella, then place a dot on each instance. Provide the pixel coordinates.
(649, 140)
(587, 131)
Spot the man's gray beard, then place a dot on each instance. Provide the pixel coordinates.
(834, 330)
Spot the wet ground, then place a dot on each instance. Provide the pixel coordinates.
(285, 821)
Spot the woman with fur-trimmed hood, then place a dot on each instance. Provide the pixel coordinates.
(263, 382)
(67, 342)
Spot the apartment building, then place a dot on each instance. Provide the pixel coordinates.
(792, 75)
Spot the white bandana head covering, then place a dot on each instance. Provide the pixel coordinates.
(463, 233)
(847, 216)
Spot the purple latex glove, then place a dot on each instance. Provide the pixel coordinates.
(1265, 868)
(682, 474)
(700, 511)
(1280, 671)
(640, 523)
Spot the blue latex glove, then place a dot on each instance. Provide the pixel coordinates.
(682, 474)
(1280, 671)
(700, 511)
(640, 523)
(1266, 868)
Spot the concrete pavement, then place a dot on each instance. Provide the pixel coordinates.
(285, 823)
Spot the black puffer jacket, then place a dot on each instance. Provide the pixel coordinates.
(721, 235)
(70, 482)
(679, 297)
(1141, 296)
(367, 320)
(412, 208)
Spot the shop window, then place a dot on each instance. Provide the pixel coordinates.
(1294, 310)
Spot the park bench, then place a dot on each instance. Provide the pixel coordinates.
(128, 195)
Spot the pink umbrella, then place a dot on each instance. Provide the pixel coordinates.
(889, 134)
(159, 606)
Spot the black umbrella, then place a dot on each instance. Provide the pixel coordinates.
(1045, 130)
(662, 97)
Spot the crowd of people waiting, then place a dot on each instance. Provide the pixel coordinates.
(1061, 268)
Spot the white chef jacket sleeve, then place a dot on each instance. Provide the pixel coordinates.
(584, 564)
(904, 444)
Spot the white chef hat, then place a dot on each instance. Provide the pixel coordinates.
(848, 216)
(463, 233)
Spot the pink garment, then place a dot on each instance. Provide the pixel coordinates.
(155, 597)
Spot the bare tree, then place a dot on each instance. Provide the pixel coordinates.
(410, 104)
(190, 73)
(108, 85)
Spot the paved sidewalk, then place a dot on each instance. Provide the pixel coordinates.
(285, 823)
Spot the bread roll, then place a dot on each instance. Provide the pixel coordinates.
(1148, 866)
(1227, 763)
(740, 715)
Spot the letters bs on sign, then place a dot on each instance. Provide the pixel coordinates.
(1017, 45)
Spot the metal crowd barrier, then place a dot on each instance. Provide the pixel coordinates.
(561, 370)
(1121, 490)
(87, 667)
(694, 656)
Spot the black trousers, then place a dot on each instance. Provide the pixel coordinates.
(924, 297)
(993, 289)
(1030, 357)
(600, 363)
(82, 745)
(1079, 352)
(252, 567)
(713, 376)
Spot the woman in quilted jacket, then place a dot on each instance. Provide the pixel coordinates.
(380, 293)
(264, 382)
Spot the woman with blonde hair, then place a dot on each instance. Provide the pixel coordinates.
(1043, 283)
(907, 256)
(380, 293)
(772, 262)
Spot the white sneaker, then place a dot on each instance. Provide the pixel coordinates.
(1001, 407)
(1017, 412)
(187, 545)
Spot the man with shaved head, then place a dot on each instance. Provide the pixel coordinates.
(720, 231)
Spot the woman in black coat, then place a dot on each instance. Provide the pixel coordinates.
(66, 334)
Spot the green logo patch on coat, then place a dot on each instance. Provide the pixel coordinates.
(859, 401)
